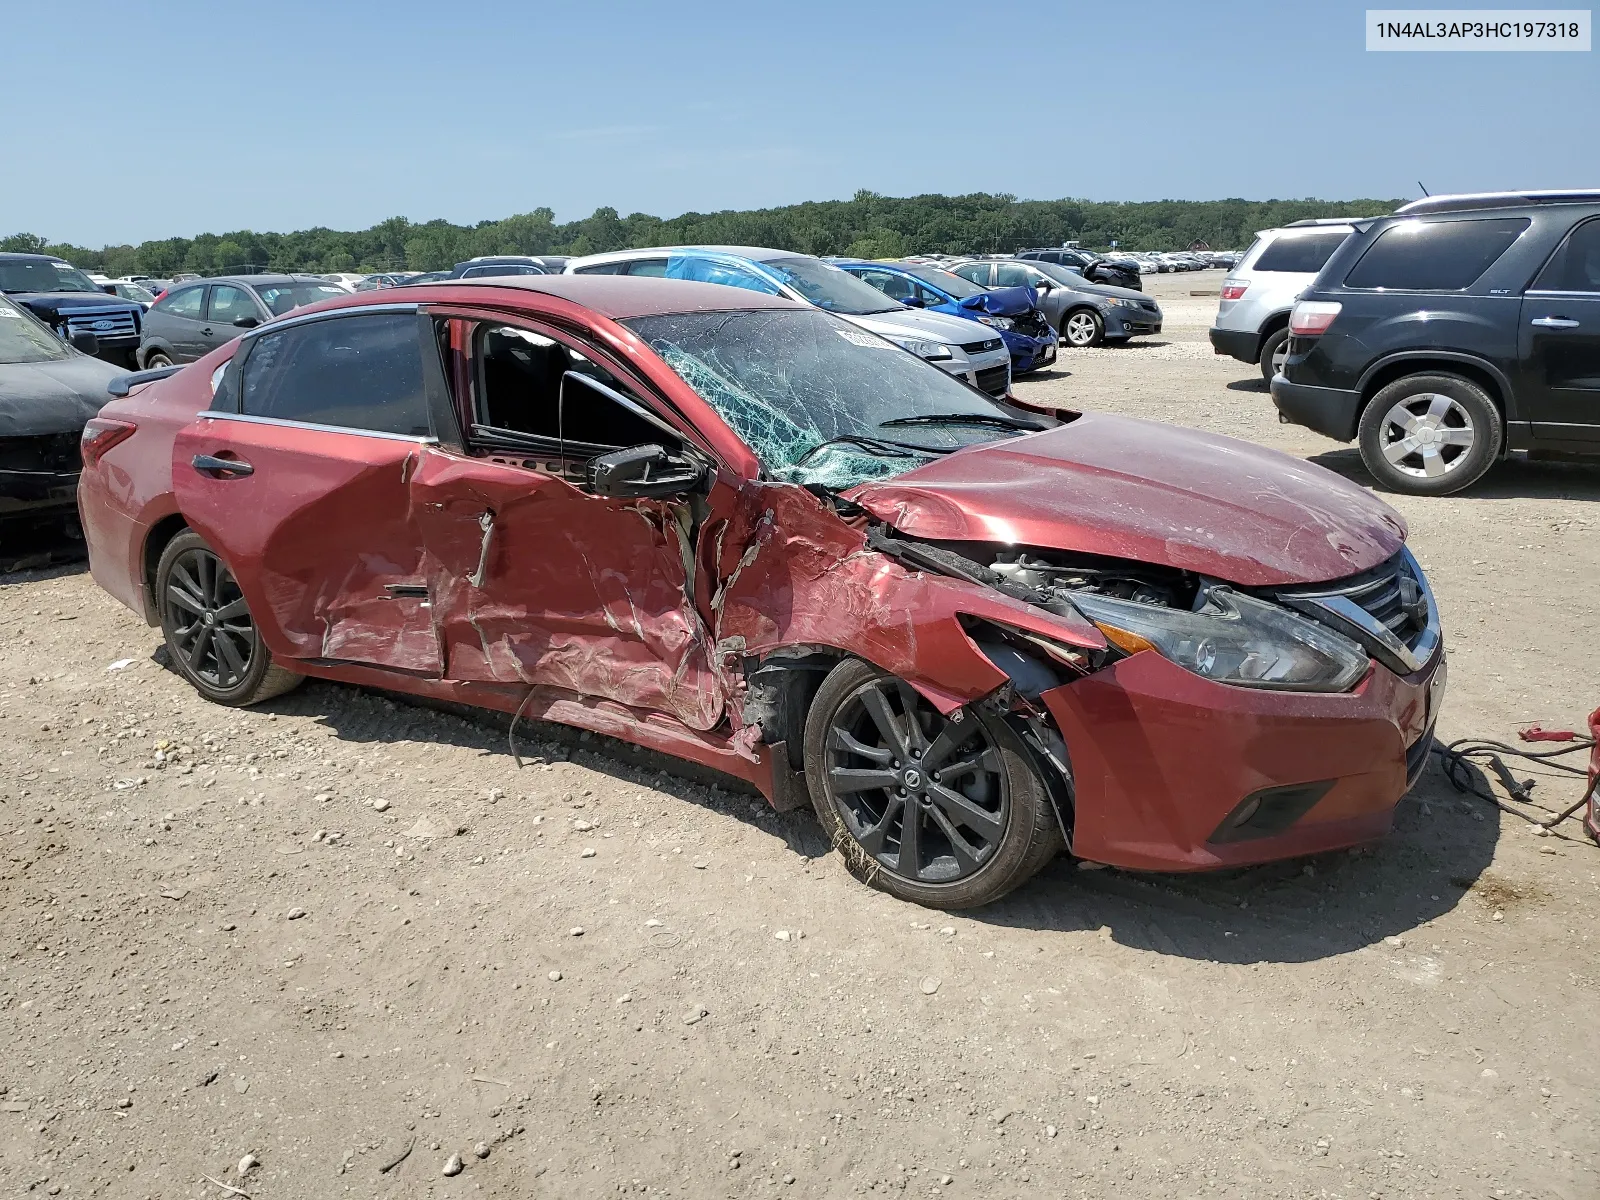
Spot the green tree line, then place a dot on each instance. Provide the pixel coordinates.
(867, 225)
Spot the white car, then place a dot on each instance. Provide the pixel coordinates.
(964, 348)
(1252, 322)
(345, 279)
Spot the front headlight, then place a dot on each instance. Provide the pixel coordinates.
(998, 322)
(933, 351)
(1237, 639)
(1121, 303)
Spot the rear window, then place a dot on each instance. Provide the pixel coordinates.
(1303, 253)
(1443, 256)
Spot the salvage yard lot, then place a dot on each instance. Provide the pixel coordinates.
(620, 980)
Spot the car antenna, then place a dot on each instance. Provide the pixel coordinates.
(1425, 191)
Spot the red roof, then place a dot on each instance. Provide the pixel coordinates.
(616, 296)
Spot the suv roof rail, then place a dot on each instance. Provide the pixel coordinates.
(1308, 221)
(1466, 201)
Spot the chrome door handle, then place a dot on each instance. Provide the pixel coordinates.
(1554, 323)
(219, 468)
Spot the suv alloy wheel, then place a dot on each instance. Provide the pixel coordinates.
(1430, 434)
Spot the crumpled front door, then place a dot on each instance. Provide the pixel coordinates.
(535, 582)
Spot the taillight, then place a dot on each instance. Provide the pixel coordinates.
(1311, 318)
(1232, 291)
(100, 434)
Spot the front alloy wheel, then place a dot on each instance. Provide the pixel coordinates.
(945, 811)
(1083, 328)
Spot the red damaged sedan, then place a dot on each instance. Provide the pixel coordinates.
(750, 534)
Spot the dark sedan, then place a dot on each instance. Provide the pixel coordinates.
(192, 319)
(48, 391)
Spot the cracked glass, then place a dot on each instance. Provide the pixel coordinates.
(813, 396)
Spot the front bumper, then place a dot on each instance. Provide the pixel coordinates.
(1124, 322)
(1161, 758)
(1029, 353)
(1243, 344)
(1332, 412)
(38, 493)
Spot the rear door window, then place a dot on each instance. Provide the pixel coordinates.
(186, 302)
(358, 372)
(1576, 266)
(1012, 275)
(1434, 256)
(976, 272)
(1302, 253)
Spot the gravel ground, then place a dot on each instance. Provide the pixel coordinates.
(335, 928)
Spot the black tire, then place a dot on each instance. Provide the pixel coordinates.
(985, 829)
(1456, 434)
(156, 359)
(211, 637)
(1082, 328)
(1273, 347)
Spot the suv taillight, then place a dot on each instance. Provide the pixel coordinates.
(1232, 291)
(100, 434)
(1311, 318)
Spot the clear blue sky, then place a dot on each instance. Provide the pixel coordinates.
(137, 120)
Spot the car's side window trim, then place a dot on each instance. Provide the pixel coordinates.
(317, 427)
(1560, 248)
(233, 378)
(591, 348)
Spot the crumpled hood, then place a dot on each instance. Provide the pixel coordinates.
(1148, 492)
(52, 397)
(1003, 302)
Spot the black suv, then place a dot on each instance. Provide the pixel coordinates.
(1458, 329)
(73, 305)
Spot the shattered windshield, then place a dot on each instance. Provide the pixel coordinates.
(25, 340)
(826, 286)
(819, 400)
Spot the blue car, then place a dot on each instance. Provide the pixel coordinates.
(1013, 312)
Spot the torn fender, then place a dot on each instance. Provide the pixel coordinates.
(811, 580)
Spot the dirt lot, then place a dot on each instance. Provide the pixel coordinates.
(332, 928)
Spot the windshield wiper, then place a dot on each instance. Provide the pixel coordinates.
(992, 419)
(877, 445)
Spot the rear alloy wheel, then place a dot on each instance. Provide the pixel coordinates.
(1082, 327)
(942, 812)
(210, 633)
(1273, 351)
(156, 359)
(1430, 435)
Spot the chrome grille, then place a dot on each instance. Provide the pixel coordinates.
(105, 324)
(1389, 610)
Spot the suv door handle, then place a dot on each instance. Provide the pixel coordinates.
(1554, 323)
(221, 468)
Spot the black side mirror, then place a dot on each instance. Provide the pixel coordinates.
(914, 302)
(247, 322)
(1042, 285)
(642, 472)
(85, 342)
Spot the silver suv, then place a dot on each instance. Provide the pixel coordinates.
(1252, 322)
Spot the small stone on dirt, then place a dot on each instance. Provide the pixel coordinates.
(380, 806)
(481, 1150)
(296, 913)
(930, 985)
(695, 1015)
(453, 1165)
(576, 931)
(588, 852)
(555, 976)
(247, 1162)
